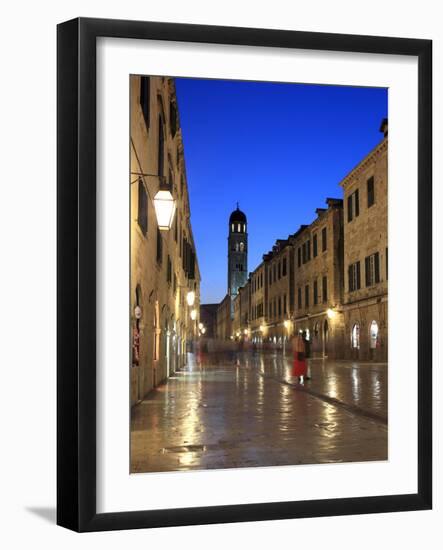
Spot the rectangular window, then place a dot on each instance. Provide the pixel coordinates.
(279, 306)
(270, 276)
(303, 249)
(353, 205)
(169, 270)
(284, 305)
(145, 89)
(299, 257)
(299, 298)
(350, 208)
(279, 270)
(325, 289)
(354, 276)
(315, 293)
(371, 193)
(314, 245)
(161, 147)
(324, 242)
(191, 269)
(173, 118)
(308, 250)
(274, 274)
(159, 246)
(176, 228)
(372, 269)
(307, 296)
(142, 215)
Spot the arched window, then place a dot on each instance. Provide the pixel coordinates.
(232, 228)
(239, 227)
(316, 330)
(242, 247)
(373, 335)
(236, 247)
(355, 336)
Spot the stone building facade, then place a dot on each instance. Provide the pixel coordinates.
(365, 301)
(224, 319)
(257, 301)
(318, 281)
(328, 280)
(279, 292)
(164, 267)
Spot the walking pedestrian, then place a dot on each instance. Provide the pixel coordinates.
(298, 349)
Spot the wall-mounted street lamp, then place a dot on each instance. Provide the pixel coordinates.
(190, 298)
(164, 204)
(194, 314)
(331, 313)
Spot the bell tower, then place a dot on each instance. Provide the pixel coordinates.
(237, 253)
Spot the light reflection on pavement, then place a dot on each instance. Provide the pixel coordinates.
(245, 410)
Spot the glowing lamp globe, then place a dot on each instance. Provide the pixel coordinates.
(194, 314)
(190, 298)
(164, 205)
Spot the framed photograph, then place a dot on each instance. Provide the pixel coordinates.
(244, 274)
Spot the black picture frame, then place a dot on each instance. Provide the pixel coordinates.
(76, 268)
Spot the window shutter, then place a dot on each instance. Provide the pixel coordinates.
(377, 267)
(350, 208)
(357, 205)
(350, 279)
(367, 271)
(358, 275)
(145, 97)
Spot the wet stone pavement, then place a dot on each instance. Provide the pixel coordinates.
(245, 410)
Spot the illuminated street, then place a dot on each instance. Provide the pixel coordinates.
(244, 410)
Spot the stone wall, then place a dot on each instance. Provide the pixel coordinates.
(161, 273)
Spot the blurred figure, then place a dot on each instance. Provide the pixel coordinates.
(299, 354)
(307, 344)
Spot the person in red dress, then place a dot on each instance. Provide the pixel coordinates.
(299, 369)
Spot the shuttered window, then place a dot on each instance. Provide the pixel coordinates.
(142, 215)
(371, 192)
(159, 247)
(145, 89)
(372, 269)
(354, 276)
(315, 293)
(307, 296)
(353, 205)
(325, 289)
(161, 147)
(324, 243)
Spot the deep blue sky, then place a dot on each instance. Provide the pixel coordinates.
(277, 149)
